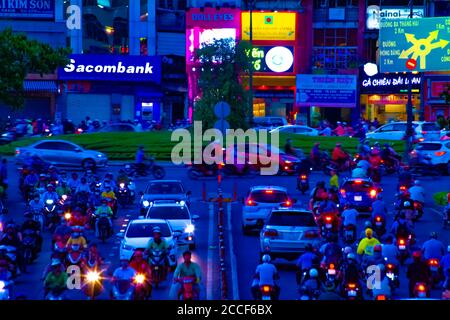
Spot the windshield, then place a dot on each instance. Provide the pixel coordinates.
(145, 230)
(430, 127)
(352, 186)
(169, 213)
(429, 146)
(292, 218)
(164, 188)
(269, 196)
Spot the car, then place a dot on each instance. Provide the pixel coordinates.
(258, 204)
(438, 152)
(62, 153)
(120, 127)
(268, 123)
(138, 234)
(262, 152)
(287, 233)
(358, 193)
(445, 135)
(396, 131)
(163, 190)
(179, 217)
(296, 129)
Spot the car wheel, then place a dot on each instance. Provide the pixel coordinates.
(88, 164)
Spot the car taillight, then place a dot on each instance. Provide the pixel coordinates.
(17, 151)
(271, 233)
(303, 176)
(440, 153)
(402, 188)
(373, 193)
(378, 219)
(358, 181)
(433, 262)
(251, 203)
(269, 191)
(311, 234)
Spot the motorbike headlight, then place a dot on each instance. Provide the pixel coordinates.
(146, 203)
(2, 285)
(92, 276)
(122, 185)
(140, 278)
(287, 161)
(64, 197)
(189, 229)
(49, 202)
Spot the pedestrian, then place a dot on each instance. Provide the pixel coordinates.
(334, 180)
(4, 174)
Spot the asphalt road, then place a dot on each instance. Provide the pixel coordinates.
(242, 251)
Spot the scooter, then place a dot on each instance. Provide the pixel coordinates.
(104, 228)
(350, 234)
(435, 271)
(187, 289)
(303, 183)
(156, 261)
(5, 286)
(352, 291)
(122, 290)
(143, 287)
(421, 290)
(379, 225)
(392, 273)
(196, 171)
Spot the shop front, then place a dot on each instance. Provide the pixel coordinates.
(112, 88)
(385, 95)
(436, 106)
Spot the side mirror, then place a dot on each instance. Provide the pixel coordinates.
(120, 235)
(188, 193)
(195, 217)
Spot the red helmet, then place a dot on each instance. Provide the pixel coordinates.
(377, 248)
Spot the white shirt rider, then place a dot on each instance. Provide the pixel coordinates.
(417, 193)
(266, 272)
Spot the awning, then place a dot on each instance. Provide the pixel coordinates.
(40, 86)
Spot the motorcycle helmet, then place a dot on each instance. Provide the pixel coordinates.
(313, 273)
(138, 253)
(417, 182)
(156, 230)
(417, 255)
(433, 235)
(347, 250)
(369, 232)
(368, 224)
(351, 256)
(266, 258)
(377, 248)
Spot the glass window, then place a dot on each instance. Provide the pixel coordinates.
(429, 146)
(168, 213)
(145, 230)
(292, 218)
(400, 127)
(388, 127)
(65, 146)
(164, 188)
(430, 127)
(268, 196)
(357, 186)
(47, 145)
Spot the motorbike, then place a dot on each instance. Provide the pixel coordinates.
(59, 250)
(402, 245)
(104, 228)
(5, 286)
(56, 294)
(200, 170)
(327, 227)
(123, 195)
(133, 170)
(435, 271)
(74, 255)
(309, 294)
(10, 253)
(93, 285)
(143, 287)
(379, 225)
(350, 234)
(303, 183)
(352, 291)
(392, 273)
(331, 273)
(421, 290)
(187, 291)
(29, 243)
(157, 263)
(38, 217)
(122, 290)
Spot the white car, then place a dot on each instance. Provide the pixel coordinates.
(178, 216)
(396, 131)
(139, 233)
(259, 203)
(296, 129)
(439, 152)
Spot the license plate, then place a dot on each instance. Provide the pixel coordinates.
(402, 247)
(156, 267)
(378, 224)
(328, 225)
(332, 272)
(303, 181)
(352, 293)
(358, 198)
(390, 275)
(266, 297)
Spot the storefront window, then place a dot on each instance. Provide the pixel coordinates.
(259, 107)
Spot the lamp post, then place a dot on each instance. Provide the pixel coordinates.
(409, 134)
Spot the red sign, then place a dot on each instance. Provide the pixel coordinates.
(437, 87)
(411, 64)
(212, 18)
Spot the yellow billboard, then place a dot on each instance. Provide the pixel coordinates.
(269, 25)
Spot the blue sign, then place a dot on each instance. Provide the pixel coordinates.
(326, 90)
(112, 68)
(27, 9)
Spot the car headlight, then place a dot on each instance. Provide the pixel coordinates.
(145, 203)
(49, 201)
(182, 202)
(99, 155)
(189, 229)
(122, 185)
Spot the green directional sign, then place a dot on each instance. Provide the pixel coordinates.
(415, 45)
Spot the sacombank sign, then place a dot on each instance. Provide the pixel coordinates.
(112, 67)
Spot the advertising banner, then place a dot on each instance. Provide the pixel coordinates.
(326, 90)
(269, 26)
(112, 68)
(27, 9)
(272, 59)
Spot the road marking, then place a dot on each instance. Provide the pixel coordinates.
(209, 276)
(234, 277)
(438, 212)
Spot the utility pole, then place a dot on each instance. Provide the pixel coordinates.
(250, 79)
(409, 135)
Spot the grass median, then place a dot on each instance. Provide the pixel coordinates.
(123, 146)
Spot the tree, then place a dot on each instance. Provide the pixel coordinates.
(221, 65)
(20, 56)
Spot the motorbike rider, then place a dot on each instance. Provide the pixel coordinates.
(366, 245)
(328, 207)
(375, 161)
(187, 269)
(401, 227)
(108, 193)
(63, 189)
(334, 180)
(318, 193)
(379, 208)
(418, 271)
(389, 155)
(407, 211)
(83, 186)
(50, 194)
(405, 178)
(78, 219)
(339, 156)
(339, 130)
(12, 238)
(445, 267)
(36, 203)
(290, 150)
(142, 267)
(376, 258)
(73, 181)
(433, 248)
(103, 211)
(331, 252)
(363, 148)
(76, 239)
(382, 287)
(30, 224)
(123, 273)
(316, 155)
(312, 285)
(158, 243)
(123, 178)
(349, 216)
(351, 271)
(389, 250)
(359, 171)
(417, 193)
(140, 158)
(53, 173)
(306, 261)
(265, 274)
(31, 180)
(56, 279)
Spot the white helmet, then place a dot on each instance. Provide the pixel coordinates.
(448, 249)
(266, 258)
(313, 273)
(417, 183)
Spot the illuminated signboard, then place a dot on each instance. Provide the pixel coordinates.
(375, 15)
(272, 59)
(269, 25)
